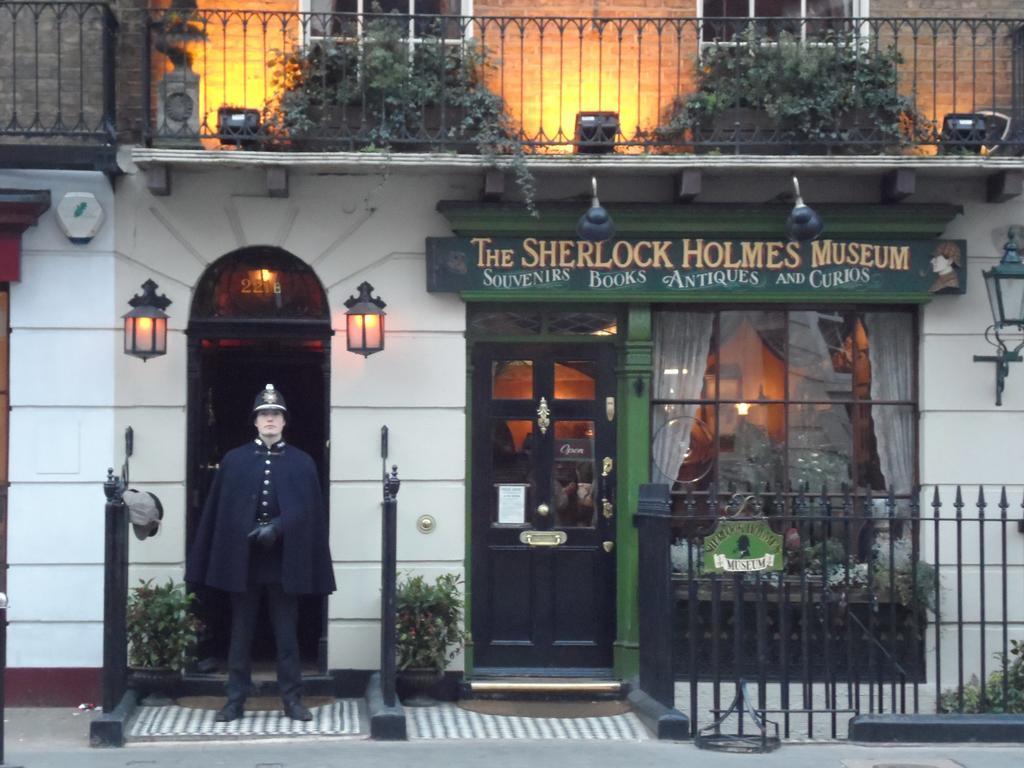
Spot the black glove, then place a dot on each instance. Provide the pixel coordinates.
(264, 535)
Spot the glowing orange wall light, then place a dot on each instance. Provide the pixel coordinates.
(145, 326)
(364, 322)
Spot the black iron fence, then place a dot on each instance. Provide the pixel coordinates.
(307, 81)
(881, 605)
(57, 71)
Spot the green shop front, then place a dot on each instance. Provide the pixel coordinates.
(696, 349)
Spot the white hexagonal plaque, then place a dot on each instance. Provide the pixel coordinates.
(80, 216)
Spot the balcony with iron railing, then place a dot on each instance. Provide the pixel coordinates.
(557, 85)
(539, 85)
(57, 82)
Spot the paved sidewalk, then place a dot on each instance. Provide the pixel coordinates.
(58, 738)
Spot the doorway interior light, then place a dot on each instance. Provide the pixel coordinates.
(1005, 286)
(595, 225)
(145, 326)
(804, 224)
(364, 322)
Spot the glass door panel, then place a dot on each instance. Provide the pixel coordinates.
(512, 379)
(575, 380)
(511, 467)
(573, 473)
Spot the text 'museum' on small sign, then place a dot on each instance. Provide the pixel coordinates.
(743, 546)
(769, 269)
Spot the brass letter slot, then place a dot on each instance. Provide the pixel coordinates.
(543, 538)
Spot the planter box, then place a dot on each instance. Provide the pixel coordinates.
(349, 128)
(745, 131)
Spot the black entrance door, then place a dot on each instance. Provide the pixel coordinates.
(543, 528)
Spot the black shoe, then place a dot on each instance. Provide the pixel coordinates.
(296, 710)
(230, 711)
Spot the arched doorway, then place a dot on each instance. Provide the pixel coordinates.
(259, 315)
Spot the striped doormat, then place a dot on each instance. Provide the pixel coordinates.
(339, 718)
(447, 721)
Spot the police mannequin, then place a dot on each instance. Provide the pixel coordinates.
(263, 534)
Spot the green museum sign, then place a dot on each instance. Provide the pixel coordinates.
(696, 267)
(742, 546)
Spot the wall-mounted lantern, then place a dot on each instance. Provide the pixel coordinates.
(364, 322)
(1005, 285)
(145, 327)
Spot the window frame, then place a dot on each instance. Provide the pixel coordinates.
(305, 7)
(861, 10)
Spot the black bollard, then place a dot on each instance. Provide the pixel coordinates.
(654, 702)
(653, 518)
(115, 594)
(388, 564)
(3, 671)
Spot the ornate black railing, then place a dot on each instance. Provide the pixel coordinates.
(882, 605)
(304, 81)
(57, 71)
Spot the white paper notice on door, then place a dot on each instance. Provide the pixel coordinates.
(511, 504)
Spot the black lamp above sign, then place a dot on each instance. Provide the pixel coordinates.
(145, 326)
(1005, 286)
(596, 224)
(364, 322)
(804, 223)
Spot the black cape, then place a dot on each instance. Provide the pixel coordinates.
(219, 556)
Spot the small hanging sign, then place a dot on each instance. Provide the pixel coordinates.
(743, 546)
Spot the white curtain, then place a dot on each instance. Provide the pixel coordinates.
(891, 352)
(681, 342)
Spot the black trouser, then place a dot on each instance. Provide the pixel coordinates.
(284, 614)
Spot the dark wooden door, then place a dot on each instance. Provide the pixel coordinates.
(543, 527)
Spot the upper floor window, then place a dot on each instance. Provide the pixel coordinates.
(421, 15)
(725, 19)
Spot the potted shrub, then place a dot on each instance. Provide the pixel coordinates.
(364, 91)
(787, 96)
(162, 634)
(428, 628)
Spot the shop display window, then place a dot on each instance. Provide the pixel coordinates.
(774, 401)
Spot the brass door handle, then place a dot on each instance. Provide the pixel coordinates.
(543, 416)
(543, 538)
(543, 510)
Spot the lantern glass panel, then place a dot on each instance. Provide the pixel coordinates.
(1013, 299)
(160, 335)
(992, 286)
(374, 327)
(355, 332)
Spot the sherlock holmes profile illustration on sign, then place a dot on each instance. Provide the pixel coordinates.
(946, 260)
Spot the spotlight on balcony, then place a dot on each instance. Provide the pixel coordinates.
(981, 133)
(596, 132)
(238, 126)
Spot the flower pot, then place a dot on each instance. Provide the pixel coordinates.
(161, 682)
(416, 682)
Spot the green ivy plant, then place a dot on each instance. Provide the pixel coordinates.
(428, 622)
(995, 701)
(376, 94)
(162, 631)
(836, 92)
